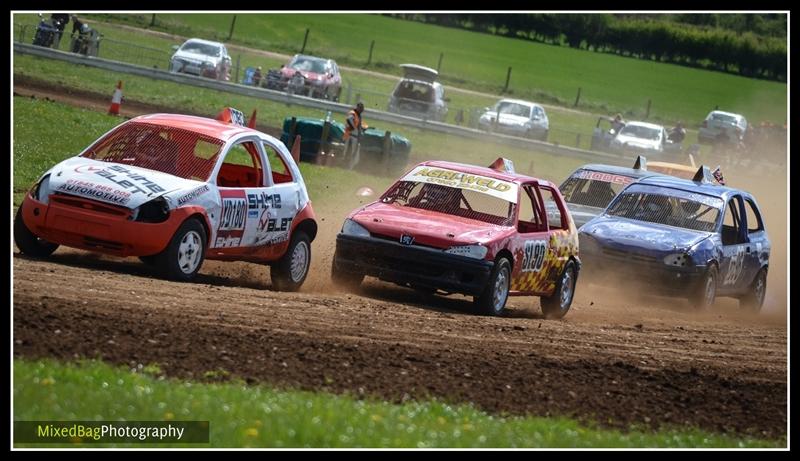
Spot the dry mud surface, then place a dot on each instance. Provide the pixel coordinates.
(613, 361)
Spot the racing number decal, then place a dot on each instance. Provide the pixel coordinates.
(735, 266)
(533, 255)
(233, 214)
(232, 220)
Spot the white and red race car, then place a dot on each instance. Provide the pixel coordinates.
(174, 190)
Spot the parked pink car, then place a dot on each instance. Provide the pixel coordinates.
(312, 76)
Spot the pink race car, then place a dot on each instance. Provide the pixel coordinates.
(485, 232)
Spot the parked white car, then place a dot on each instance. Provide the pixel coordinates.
(516, 117)
(722, 126)
(640, 137)
(203, 58)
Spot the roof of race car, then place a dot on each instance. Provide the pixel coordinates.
(205, 126)
(711, 189)
(632, 172)
(485, 171)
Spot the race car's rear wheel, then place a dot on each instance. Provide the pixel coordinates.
(705, 294)
(289, 273)
(754, 298)
(183, 257)
(493, 299)
(28, 242)
(557, 305)
(348, 281)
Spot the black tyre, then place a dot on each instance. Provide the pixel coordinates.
(184, 255)
(754, 299)
(705, 293)
(337, 95)
(347, 281)
(493, 299)
(28, 242)
(557, 305)
(289, 273)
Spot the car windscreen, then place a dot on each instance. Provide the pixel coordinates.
(418, 91)
(318, 66)
(452, 201)
(174, 151)
(683, 212)
(724, 118)
(512, 108)
(593, 188)
(202, 48)
(641, 132)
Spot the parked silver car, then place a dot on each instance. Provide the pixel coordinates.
(418, 94)
(516, 117)
(640, 137)
(722, 126)
(203, 58)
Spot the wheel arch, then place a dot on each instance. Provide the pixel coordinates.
(309, 226)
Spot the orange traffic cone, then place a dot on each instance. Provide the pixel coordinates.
(116, 100)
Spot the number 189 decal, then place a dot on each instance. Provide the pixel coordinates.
(533, 255)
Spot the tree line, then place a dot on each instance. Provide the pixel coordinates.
(752, 45)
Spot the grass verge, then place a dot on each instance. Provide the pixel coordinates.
(258, 416)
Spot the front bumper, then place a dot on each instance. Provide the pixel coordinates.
(625, 269)
(95, 226)
(411, 265)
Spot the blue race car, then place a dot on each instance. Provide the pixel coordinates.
(684, 238)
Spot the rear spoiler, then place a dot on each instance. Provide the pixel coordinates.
(703, 175)
(503, 164)
(641, 163)
(236, 117)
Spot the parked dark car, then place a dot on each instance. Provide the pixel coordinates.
(418, 94)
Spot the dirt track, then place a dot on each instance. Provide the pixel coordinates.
(611, 361)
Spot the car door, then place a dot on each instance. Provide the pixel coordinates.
(530, 245)
(243, 187)
(758, 247)
(277, 206)
(735, 246)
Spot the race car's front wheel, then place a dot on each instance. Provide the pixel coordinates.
(557, 305)
(348, 281)
(289, 273)
(182, 258)
(493, 299)
(705, 294)
(28, 242)
(754, 298)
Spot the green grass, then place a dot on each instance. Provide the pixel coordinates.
(541, 72)
(425, 145)
(259, 416)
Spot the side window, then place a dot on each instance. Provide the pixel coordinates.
(241, 167)
(731, 224)
(530, 216)
(280, 172)
(754, 223)
(554, 216)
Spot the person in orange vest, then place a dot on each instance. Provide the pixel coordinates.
(354, 128)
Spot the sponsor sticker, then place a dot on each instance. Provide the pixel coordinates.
(604, 177)
(495, 187)
(193, 194)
